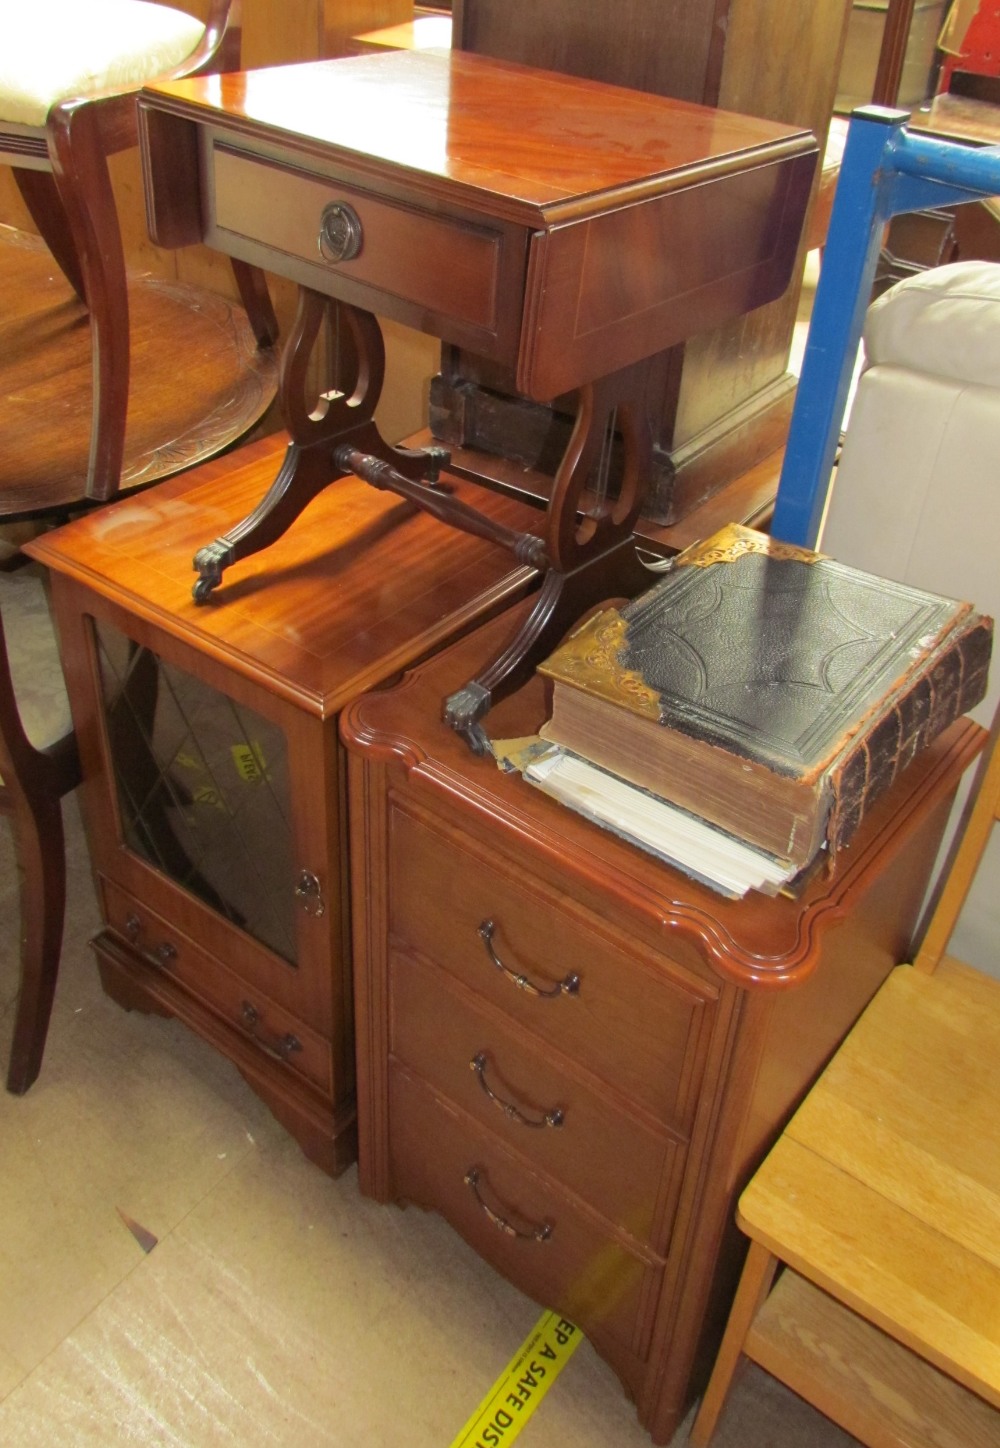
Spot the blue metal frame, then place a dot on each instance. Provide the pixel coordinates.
(886, 171)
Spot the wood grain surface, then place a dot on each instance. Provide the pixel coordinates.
(198, 380)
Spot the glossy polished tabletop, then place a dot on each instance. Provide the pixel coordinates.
(467, 121)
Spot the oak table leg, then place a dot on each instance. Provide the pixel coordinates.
(755, 1283)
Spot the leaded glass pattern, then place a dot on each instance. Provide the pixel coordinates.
(202, 787)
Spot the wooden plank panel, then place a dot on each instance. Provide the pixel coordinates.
(910, 1102)
(872, 1386)
(931, 1293)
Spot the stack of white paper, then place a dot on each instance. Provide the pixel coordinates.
(681, 839)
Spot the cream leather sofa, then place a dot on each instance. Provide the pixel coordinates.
(917, 491)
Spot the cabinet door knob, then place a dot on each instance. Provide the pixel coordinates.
(569, 986)
(309, 893)
(555, 1117)
(541, 1233)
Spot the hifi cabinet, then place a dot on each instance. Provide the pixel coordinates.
(212, 793)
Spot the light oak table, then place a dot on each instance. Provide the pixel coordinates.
(884, 1191)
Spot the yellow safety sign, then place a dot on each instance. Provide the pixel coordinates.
(523, 1384)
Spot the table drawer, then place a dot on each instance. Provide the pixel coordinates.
(642, 1028)
(274, 1030)
(534, 1100)
(452, 270)
(442, 1160)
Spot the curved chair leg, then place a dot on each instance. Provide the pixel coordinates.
(34, 782)
(77, 149)
(41, 857)
(252, 286)
(41, 196)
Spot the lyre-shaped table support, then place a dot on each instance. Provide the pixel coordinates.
(586, 549)
(589, 544)
(316, 429)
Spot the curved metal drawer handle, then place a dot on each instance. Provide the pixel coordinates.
(280, 1049)
(160, 955)
(540, 1233)
(555, 1117)
(569, 986)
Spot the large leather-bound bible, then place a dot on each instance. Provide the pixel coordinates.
(768, 689)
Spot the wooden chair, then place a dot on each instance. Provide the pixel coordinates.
(33, 780)
(68, 80)
(882, 1200)
(64, 108)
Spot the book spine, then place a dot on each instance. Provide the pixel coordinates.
(954, 683)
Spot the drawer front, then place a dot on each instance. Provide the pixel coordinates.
(277, 1033)
(375, 252)
(642, 1030)
(521, 1089)
(527, 1231)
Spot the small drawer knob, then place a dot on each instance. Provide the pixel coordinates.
(340, 234)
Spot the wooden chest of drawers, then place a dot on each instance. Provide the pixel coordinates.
(572, 1052)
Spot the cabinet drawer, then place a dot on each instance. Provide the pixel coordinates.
(442, 1160)
(395, 253)
(529, 1097)
(641, 1028)
(163, 947)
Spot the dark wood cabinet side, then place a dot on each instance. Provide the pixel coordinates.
(721, 402)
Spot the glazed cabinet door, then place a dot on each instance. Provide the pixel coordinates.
(213, 814)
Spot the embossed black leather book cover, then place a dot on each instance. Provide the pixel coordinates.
(770, 689)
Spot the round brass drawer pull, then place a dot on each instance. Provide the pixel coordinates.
(555, 1117)
(541, 1233)
(569, 986)
(340, 236)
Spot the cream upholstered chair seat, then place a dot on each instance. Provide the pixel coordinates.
(69, 74)
(103, 45)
